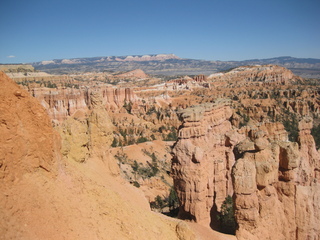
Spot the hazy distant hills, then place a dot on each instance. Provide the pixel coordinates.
(170, 64)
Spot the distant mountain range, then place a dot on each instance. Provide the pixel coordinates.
(170, 64)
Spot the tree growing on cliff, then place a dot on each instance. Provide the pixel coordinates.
(173, 202)
(291, 123)
(315, 131)
(226, 217)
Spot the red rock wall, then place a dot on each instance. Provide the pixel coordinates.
(61, 103)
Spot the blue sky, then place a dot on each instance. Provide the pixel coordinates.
(37, 30)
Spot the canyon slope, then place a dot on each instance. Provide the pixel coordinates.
(46, 194)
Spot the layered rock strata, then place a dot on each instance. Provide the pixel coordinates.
(61, 103)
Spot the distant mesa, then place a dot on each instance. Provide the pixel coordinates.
(170, 64)
(138, 58)
(70, 61)
(15, 68)
(158, 57)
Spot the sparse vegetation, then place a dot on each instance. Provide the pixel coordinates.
(50, 85)
(315, 131)
(122, 157)
(172, 135)
(148, 171)
(244, 119)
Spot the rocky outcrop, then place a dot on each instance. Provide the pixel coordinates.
(203, 159)
(276, 185)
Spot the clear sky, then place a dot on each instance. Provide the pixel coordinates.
(36, 30)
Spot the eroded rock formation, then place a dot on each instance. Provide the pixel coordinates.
(87, 134)
(61, 103)
(203, 159)
(275, 182)
(276, 186)
(266, 74)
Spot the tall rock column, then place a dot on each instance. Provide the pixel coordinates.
(202, 161)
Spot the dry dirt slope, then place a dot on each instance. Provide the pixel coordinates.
(44, 197)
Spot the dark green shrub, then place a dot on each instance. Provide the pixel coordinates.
(128, 106)
(142, 139)
(226, 217)
(173, 201)
(135, 166)
(136, 184)
(114, 143)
